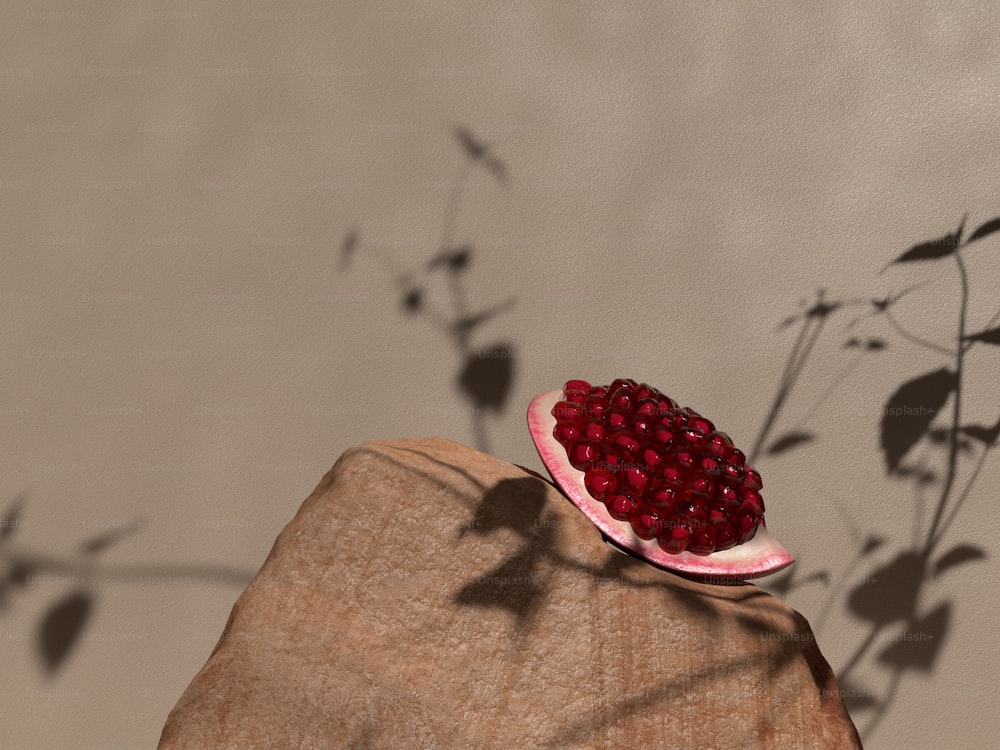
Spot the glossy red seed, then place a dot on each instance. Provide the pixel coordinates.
(626, 443)
(615, 419)
(566, 432)
(567, 410)
(702, 540)
(594, 431)
(612, 461)
(650, 457)
(600, 483)
(685, 458)
(622, 398)
(647, 407)
(645, 391)
(736, 456)
(575, 397)
(693, 438)
(752, 480)
(645, 522)
(662, 437)
(576, 385)
(752, 501)
(636, 479)
(674, 537)
(725, 493)
(693, 509)
(581, 453)
(719, 444)
(622, 383)
(594, 406)
(662, 499)
(672, 476)
(725, 538)
(744, 527)
(735, 472)
(620, 506)
(702, 486)
(712, 465)
(642, 426)
(698, 422)
(667, 404)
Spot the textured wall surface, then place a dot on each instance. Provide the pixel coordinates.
(221, 265)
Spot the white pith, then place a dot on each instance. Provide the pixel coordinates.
(760, 556)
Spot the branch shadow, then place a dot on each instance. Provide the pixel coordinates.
(64, 623)
(485, 373)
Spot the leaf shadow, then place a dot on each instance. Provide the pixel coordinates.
(891, 592)
(918, 646)
(790, 440)
(908, 413)
(515, 584)
(515, 504)
(62, 627)
(487, 376)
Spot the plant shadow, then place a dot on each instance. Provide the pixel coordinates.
(64, 623)
(906, 635)
(485, 373)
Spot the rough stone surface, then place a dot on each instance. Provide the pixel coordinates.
(430, 596)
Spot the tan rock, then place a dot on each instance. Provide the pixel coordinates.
(430, 596)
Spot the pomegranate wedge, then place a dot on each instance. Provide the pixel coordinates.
(658, 480)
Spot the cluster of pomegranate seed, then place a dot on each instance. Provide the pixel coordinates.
(664, 469)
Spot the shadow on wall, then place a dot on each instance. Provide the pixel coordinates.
(485, 378)
(891, 596)
(486, 373)
(60, 630)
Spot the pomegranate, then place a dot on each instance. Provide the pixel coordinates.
(659, 481)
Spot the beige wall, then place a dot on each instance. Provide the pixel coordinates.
(184, 355)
